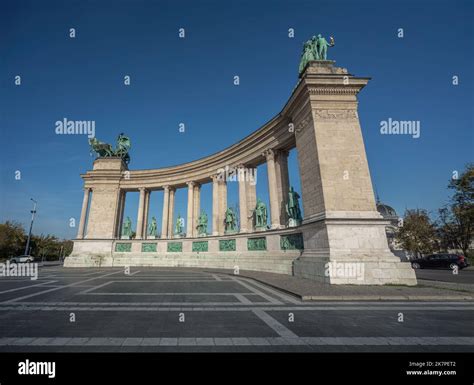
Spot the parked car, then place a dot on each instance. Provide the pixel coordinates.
(440, 261)
(22, 259)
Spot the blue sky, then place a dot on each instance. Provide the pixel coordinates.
(191, 81)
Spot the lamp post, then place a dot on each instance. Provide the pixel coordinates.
(33, 212)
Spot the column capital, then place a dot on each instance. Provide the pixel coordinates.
(191, 183)
(283, 152)
(169, 188)
(142, 189)
(87, 189)
(269, 154)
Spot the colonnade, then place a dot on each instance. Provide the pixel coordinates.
(278, 187)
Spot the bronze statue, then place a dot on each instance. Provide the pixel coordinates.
(202, 224)
(230, 221)
(293, 209)
(104, 150)
(127, 228)
(260, 215)
(152, 229)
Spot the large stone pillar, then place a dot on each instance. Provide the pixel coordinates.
(82, 220)
(243, 199)
(190, 219)
(272, 189)
(104, 207)
(283, 183)
(165, 215)
(341, 224)
(197, 207)
(171, 212)
(222, 205)
(215, 205)
(141, 212)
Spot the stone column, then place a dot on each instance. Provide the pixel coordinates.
(272, 189)
(145, 213)
(283, 184)
(165, 215)
(197, 207)
(82, 221)
(251, 203)
(242, 199)
(141, 210)
(121, 208)
(222, 205)
(190, 222)
(215, 205)
(171, 212)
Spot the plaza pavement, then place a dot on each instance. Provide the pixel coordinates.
(173, 309)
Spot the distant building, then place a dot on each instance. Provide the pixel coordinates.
(389, 214)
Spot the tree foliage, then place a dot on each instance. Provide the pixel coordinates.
(418, 233)
(456, 219)
(13, 241)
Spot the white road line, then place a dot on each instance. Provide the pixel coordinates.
(236, 341)
(216, 277)
(281, 329)
(26, 287)
(159, 293)
(103, 304)
(243, 299)
(200, 306)
(256, 291)
(283, 296)
(96, 287)
(55, 288)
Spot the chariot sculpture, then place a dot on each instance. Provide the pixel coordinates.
(104, 150)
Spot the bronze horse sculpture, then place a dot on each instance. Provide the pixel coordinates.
(104, 150)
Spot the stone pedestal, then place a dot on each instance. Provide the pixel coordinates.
(293, 222)
(342, 223)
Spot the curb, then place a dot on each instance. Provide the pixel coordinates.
(461, 297)
(387, 298)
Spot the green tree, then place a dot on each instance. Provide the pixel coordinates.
(418, 233)
(12, 239)
(67, 247)
(46, 245)
(456, 219)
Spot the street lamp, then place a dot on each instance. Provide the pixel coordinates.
(33, 212)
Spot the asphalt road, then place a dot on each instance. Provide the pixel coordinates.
(155, 309)
(446, 275)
